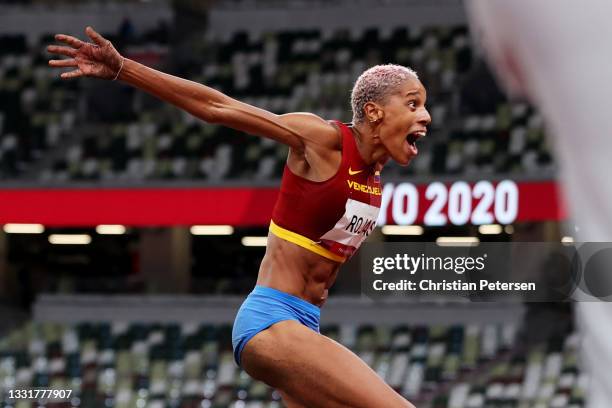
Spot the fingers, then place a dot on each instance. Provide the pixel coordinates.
(63, 63)
(58, 49)
(70, 40)
(72, 74)
(95, 37)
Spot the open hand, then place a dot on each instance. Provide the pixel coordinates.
(99, 60)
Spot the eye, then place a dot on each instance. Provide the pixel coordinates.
(412, 104)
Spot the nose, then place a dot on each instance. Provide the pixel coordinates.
(424, 117)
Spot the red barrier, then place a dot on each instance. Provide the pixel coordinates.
(455, 203)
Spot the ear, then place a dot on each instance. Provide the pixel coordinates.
(373, 112)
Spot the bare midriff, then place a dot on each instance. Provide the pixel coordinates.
(292, 269)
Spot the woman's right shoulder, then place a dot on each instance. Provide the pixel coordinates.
(314, 130)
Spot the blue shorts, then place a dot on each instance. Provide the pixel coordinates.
(265, 306)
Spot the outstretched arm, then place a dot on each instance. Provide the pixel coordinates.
(100, 59)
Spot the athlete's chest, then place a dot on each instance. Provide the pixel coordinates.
(360, 200)
(363, 185)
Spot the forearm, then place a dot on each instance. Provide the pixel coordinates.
(197, 99)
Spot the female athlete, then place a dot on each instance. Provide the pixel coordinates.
(329, 200)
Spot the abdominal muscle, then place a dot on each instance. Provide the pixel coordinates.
(295, 270)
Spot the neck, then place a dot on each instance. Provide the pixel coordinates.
(369, 145)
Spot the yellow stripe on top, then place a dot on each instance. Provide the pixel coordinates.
(304, 242)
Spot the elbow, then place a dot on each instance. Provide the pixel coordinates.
(208, 114)
(211, 112)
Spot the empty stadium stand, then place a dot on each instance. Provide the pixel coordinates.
(190, 364)
(54, 130)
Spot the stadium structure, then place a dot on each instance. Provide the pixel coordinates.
(132, 231)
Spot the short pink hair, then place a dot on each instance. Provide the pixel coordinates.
(376, 84)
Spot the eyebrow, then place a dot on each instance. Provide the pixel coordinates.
(417, 93)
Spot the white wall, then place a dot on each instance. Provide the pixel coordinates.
(222, 309)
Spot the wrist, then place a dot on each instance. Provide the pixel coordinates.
(129, 71)
(120, 69)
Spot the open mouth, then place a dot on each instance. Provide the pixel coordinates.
(412, 139)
